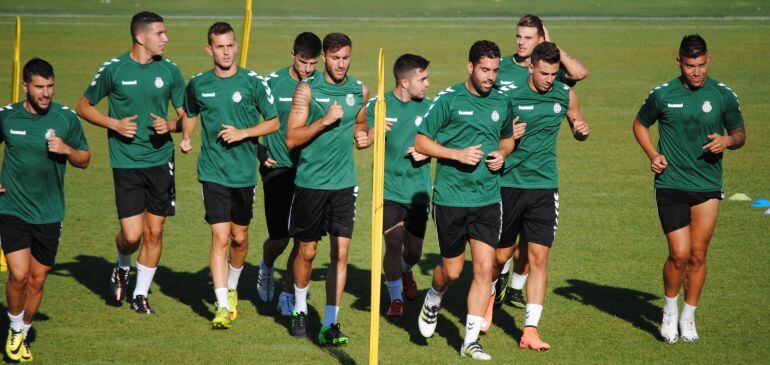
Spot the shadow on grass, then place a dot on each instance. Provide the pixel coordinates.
(632, 306)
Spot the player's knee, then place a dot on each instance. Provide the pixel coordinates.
(696, 262)
(240, 239)
(451, 274)
(132, 237)
(307, 253)
(680, 259)
(538, 262)
(155, 233)
(18, 278)
(340, 255)
(36, 283)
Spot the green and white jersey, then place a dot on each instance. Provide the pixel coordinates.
(137, 89)
(326, 162)
(686, 118)
(33, 178)
(283, 86)
(511, 74)
(458, 119)
(532, 164)
(406, 181)
(237, 101)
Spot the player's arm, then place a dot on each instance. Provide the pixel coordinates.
(188, 127)
(428, 147)
(126, 127)
(658, 162)
(163, 126)
(575, 70)
(496, 159)
(297, 131)
(231, 134)
(576, 119)
(363, 134)
(76, 157)
(733, 140)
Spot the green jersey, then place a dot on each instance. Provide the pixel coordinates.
(458, 119)
(406, 181)
(511, 74)
(532, 164)
(137, 89)
(283, 86)
(686, 118)
(33, 178)
(237, 101)
(326, 162)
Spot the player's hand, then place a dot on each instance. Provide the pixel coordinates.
(469, 156)
(231, 134)
(362, 139)
(334, 113)
(546, 34)
(718, 143)
(185, 146)
(269, 162)
(658, 163)
(126, 127)
(56, 145)
(2, 189)
(580, 129)
(388, 126)
(518, 128)
(160, 124)
(416, 156)
(495, 160)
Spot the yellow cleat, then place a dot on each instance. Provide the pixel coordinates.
(232, 301)
(14, 344)
(221, 320)
(26, 354)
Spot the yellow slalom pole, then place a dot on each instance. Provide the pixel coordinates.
(14, 99)
(377, 197)
(246, 33)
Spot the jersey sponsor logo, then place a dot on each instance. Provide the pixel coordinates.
(556, 108)
(285, 99)
(495, 116)
(392, 120)
(158, 82)
(322, 100)
(680, 105)
(526, 107)
(418, 121)
(20, 133)
(350, 100)
(237, 97)
(464, 112)
(132, 82)
(208, 95)
(706, 106)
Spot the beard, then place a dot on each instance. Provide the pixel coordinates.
(36, 106)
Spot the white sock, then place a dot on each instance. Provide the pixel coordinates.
(688, 313)
(330, 315)
(472, 328)
(144, 276)
(671, 306)
(124, 261)
(232, 277)
(394, 289)
(300, 296)
(533, 315)
(518, 281)
(433, 297)
(494, 284)
(26, 329)
(222, 301)
(405, 266)
(507, 266)
(17, 321)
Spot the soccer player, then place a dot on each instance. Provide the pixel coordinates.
(229, 101)
(139, 85)
(407, 178)
(514, 72)
(469, 130)
(40, 137)
(324, 115)
(530, 178)
(694, 110)
(278, 169)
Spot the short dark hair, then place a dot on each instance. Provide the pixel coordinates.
(334, 41)
(141, 20)
(307, 44)
(532, 21)
(219, 28)
(546, 51)
(37, 67)
(408, 62)
(482, 49)
(692, 46)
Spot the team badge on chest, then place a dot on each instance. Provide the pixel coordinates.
(158, 82)
(706, 106)
(418, 121)
(350, 100)
(495, 116)
(237, 97)
(556, 108)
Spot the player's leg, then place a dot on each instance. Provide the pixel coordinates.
(414, 226)
(130, 201)
(704, 218)
(241, 212)
(37, 275)
(286, 298)
(19, 261)
(483, 257)
(303, 267)
(278, 188)
(45, 244)
(391, 265)
(515, 202)
(519, 273)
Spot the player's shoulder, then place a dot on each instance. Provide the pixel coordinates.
(277, 76)
(448, 94)
(169, 64)
(561, 89)
(660, 90)
(8, 110)
(201, 77)
(355, 85)
(115, 62)
(721, 88)
(64, 112)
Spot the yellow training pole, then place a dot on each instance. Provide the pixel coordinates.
(246, 34)
(377, 197)
(14, 98)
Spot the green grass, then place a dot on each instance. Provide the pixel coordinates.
(604, 292)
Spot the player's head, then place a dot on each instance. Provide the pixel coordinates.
(693, 60)
(305, 53)
(38, 80)
(222, 45)
(483, 64)
(529, 33)
(336, 53)
(148, 31)
(544, 65)
(411, 72)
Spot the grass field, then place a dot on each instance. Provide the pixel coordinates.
(605, 292)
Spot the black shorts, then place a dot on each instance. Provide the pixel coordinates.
(456, 225)
(314, 213)
(41, 239)
(414, 216)
(278, 186)
(674, 206)
(225, 204)
(148, 189)
(532, 214)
